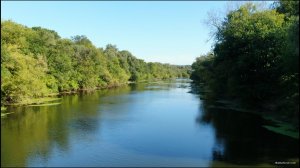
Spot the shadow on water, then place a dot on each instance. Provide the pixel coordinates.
(241, 138)
(34, 132)
(31, 135)
(145, 124)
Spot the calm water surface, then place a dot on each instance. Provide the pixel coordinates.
(153, 124)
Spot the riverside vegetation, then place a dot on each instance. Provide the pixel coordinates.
(254, 64)
(240, 110)
(255, 61)
(37, 63)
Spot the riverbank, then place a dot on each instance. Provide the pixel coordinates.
(53, 98)
(278, 122)
(47, 99)
(155, 121)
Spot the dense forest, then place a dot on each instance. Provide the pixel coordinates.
(255, 59)
(37, 62)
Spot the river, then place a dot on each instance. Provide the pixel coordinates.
(145, 124)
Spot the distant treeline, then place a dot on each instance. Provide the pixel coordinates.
(37, 62)
(255, 58)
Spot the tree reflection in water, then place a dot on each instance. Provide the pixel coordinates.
(240, 137)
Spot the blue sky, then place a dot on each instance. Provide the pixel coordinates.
(167, 32)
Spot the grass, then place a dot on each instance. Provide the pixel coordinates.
(5, 114)
(280, 127)
(45, 104)
(46, 101)
(232, 107)
(283, 128)
(36, 101)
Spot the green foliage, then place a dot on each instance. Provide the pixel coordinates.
(255, 58)
(284, 129)
(202, 68)
(46, 104)
(249, 51)
(3, 108)
(289, 8)
(3, 115)
(23, 76)
(36, 62)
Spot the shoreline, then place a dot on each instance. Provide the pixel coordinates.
(55, 96)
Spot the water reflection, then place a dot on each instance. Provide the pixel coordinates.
(241, 139)
(145, 124)
(34, 132)
(28, 136)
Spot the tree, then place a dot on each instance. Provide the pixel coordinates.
(36, 62)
